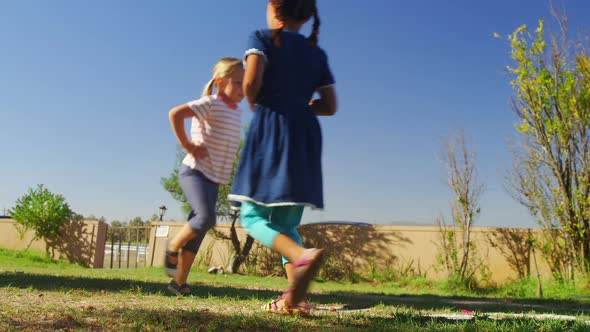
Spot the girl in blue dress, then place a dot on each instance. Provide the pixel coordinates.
(280, 169)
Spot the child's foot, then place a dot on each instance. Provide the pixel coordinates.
(180, 290)
(278, 306)
(305, 270)
(171, 263)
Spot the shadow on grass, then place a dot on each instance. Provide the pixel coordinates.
(456, 303)
(57, 283)
(119, 319)
(174, 320)
(198, 320)
(348, 299)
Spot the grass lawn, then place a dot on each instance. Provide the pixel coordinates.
(40, 294)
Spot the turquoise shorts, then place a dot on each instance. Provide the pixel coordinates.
(265, 223)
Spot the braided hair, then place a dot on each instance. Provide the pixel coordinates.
(296, 10)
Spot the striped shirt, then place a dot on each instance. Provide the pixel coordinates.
(218, 125)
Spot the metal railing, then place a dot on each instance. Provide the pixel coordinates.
(126, 247)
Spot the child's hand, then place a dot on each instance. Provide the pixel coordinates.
(197, 150)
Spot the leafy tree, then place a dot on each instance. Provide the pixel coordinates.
(93, 217)
(171, 184)
(117, 223)
(41, 211)
(114, 233)
(138, 233)
(131, 231)
(229, 213)
(551, 169)
(136, 222)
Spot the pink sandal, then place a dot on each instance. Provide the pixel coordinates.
(305, 270)
(278, 306)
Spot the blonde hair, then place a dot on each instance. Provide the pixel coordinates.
(224, 68)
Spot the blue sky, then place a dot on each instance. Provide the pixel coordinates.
(85, 88)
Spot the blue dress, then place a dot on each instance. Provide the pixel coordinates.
(280, 163)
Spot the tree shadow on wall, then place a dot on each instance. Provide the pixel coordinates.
(76, 242)
(515, 246)
(350, 249)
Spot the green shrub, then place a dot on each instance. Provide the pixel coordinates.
(41, 211)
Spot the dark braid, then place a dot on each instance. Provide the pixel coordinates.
(296, 10)
(315, 30)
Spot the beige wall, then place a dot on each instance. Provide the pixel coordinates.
(81, 241)
(504, 251)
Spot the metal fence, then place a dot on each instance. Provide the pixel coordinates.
(126, 247)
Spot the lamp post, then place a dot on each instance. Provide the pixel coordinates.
(162, 211)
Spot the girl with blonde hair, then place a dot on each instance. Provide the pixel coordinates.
(211, 150)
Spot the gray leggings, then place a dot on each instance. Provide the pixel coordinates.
(201, 194)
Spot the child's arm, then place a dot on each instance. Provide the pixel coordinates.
(326, 104)
(177, 115)
(253, 78)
